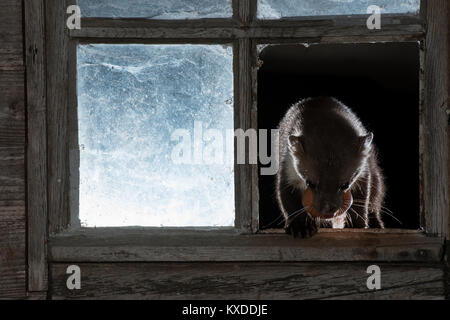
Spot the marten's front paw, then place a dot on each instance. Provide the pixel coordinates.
(303, 225)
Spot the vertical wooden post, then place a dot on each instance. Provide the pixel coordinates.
(246, 179)
(433, 125)
(448, 117)
(37, 144)
(57, 113)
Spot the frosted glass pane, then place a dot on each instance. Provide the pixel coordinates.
(131, 100)
(276, 9)
(156, 9)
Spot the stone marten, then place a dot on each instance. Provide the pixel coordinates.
(329, 174)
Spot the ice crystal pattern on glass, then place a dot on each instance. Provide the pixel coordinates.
(276, 9)
(156, 9)
(130, 100)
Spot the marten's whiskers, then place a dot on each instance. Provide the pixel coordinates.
(348, 218)
(298, 212)
(354, 211)
(383, 210)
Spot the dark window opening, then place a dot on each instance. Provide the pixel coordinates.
(379, 82)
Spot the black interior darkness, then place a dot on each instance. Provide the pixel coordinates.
(379, 82)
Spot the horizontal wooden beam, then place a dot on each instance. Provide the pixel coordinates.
(153, 32)
(253, 281)
(397, 27)
(147, 244)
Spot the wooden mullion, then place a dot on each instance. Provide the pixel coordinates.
(394, 26)
(156, 33)
(153, 23)
(244, 182)
(254, 170)
(245, 186)
(37, 144)
(246, 17)
(247, 12)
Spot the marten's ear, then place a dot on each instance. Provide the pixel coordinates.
(366, 141)
(296, 144)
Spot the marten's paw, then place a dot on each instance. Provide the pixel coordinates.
(302, 225)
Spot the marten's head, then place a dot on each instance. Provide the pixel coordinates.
(329, 167)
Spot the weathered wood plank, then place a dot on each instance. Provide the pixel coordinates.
(396, 27)
(254, 214)
(433, 121)
(350, 230)
(143, 244)
(12, 152)
(246, 191)
(156, 23)
(242, 119)
(57, 110)
(248, 281)
(246, 12)
(157, 32)
(12, 109)
(422, 291)
(11, 51)
(448, 113)
(37, 144)
(12, 222)
(37, 295)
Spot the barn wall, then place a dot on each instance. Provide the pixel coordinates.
(12, 162)
(12, 152)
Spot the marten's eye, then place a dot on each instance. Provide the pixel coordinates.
(345, 186)
(310, 184)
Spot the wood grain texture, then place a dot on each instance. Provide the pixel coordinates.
(12, 110)
(12, 152)
(399, 27)
(57, 46)
(36, 295)
(248, 281)
(11, 51)
(144, 244)
(246, 191)
(246, 12)
(448, 113)
(244, 186)
(433, 121)
(37, 144)
(12, 222)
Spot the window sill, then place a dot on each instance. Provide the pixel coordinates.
(226, 244)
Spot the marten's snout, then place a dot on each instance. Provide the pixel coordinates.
(328, 209)
(327, 203)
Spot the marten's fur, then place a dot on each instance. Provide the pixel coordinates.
(325, 148)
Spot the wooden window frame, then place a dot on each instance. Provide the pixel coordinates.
(52, 128)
